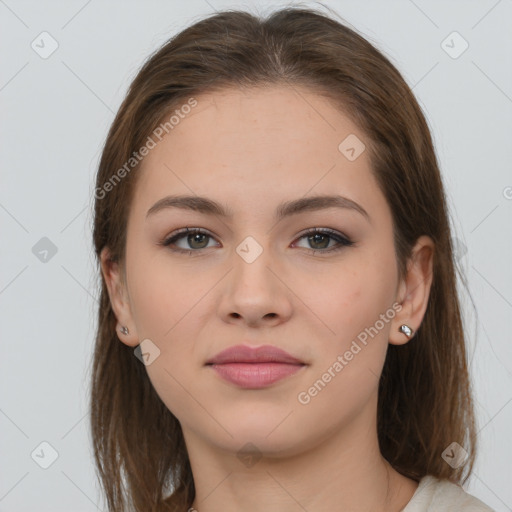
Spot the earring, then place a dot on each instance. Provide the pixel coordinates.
(406, 330)
(124, 330)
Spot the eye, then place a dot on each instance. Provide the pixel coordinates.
(197, 238)
(319, 240)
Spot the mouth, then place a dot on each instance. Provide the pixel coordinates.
(254, 368)
(248, 354)
(255, 375)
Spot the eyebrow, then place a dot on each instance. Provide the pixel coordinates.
(304, 204)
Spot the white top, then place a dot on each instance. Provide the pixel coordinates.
(434, 495)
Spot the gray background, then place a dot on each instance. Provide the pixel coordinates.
(55, 115)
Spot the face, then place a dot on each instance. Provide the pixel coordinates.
(254, 278)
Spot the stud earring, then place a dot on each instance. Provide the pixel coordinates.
(405, 329)
(124, 330)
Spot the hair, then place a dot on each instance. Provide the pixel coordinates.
(424, 397)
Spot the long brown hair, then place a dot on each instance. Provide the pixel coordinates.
(425, 400)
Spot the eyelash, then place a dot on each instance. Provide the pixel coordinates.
(342, 240)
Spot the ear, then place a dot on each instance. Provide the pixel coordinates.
(414, 290)
(118, 299)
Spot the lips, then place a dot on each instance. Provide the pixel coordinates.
(254, 368)
(246, 354)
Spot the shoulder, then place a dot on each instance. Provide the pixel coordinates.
(435, 495)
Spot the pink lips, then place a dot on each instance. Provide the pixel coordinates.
(254, 368)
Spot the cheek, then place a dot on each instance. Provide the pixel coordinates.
(356, 304)
(164, 305)
(167, 308)
(351, 297)
(346, 372)
(162, 295)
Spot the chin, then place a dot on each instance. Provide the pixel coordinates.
(265, 430)
(250, 441)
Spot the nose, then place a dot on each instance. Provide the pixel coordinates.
(255, 293)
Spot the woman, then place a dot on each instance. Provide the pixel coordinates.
(279, 326)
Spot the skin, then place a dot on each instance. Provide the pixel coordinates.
(251, 150)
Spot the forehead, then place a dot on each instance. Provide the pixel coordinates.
(258, 146)
(241, 120)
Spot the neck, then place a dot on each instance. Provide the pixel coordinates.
(344, 472)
